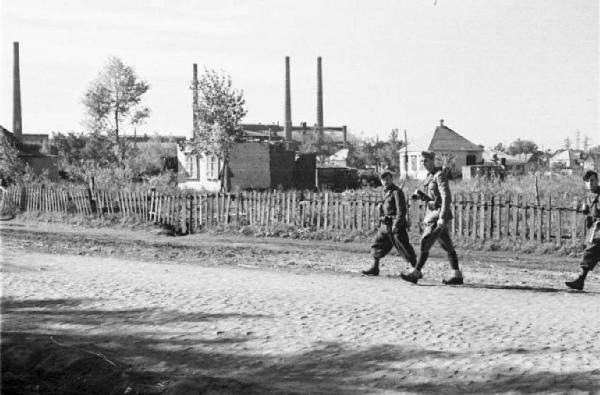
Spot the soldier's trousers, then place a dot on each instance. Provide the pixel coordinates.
(428, 239)
(382, 244)
(591, 254)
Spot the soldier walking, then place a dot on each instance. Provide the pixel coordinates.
(392, 226)
(591, 207)
(438, 199)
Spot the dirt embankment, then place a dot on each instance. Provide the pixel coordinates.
(151, 245)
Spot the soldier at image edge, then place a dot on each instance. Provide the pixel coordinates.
(591, 207)
(437, 197)
(392, 226)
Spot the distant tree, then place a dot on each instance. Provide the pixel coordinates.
(387, 155)
(394, 136)
(114, 97)
(10, 164)
(500, 147)
(218, 116)
(377, 154)
(80, 155)
(356, 158)
(148, 158)
(522, 147)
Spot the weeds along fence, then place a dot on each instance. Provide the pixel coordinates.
(475, 216)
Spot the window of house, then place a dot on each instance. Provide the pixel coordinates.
(413, 162)
(190, 166)
(212, 167)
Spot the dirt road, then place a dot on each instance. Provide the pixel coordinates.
(305, 331)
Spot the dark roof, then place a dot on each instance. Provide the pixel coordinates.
(446, 139)
(9, 136)
(275, 133)
(163, 139)
(259, 127)
(25, 150)
(261, 135)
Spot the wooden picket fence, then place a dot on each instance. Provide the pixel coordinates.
(475, 216)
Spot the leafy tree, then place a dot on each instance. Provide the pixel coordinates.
(114, 97)
(81, 156)
(148, 159)
(500, 147)
(394, 136)
(378, 154)
(218, 116)
(10, 164)
(386, 154)
(356, 156)
(522, 147)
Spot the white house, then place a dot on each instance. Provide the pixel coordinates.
(200, 172)
(338, 159)
(252, 165)
(512, 164)
(451, 150)
(566, 159)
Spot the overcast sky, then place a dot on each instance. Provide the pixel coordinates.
(495, 70)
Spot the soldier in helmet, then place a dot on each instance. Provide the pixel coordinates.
(392, 230)
(438, 199)
(591, 207)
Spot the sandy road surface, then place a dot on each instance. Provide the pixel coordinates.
(309, 331)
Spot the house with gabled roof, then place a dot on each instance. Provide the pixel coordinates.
(566, 159)
(452, 151)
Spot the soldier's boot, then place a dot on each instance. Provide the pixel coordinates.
(455, 279)
(412, 276)
(578, 283)
(373, 270)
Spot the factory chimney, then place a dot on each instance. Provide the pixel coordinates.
(319, 101)
(17, 124)
(288, 102)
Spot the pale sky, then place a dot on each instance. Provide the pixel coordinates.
(495, 70)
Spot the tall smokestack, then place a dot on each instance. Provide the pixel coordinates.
(195, 101)
(17, 125)
(319, 100)
(288, 102)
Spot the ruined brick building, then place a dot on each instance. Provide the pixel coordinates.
(270, 155)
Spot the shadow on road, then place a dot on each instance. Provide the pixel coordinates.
(149, 362)
(530, 288)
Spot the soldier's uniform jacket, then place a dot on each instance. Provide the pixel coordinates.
(393, 206)
(437, 188)
(592, 201)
